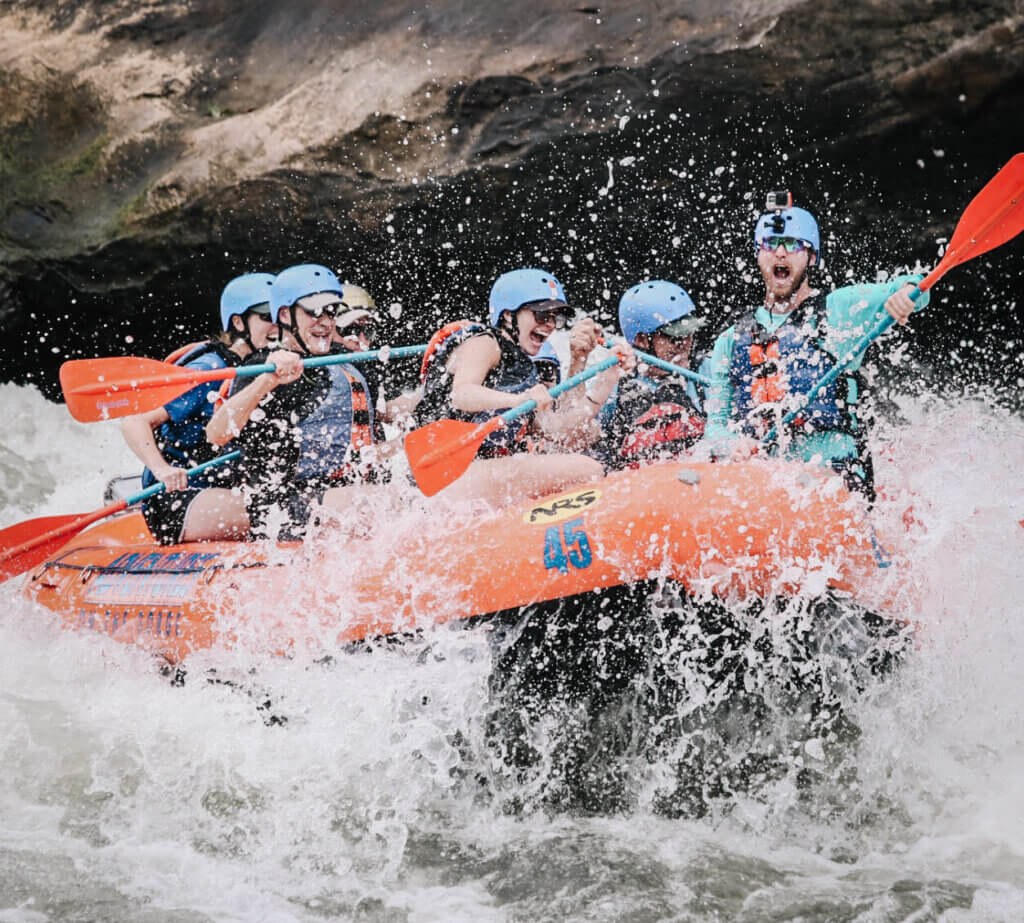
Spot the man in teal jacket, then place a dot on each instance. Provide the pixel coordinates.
(764, 365)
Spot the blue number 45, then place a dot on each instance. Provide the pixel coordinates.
(567, 545)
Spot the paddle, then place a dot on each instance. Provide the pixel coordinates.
(994, 216)
(29, 543)
(661, 363)
(102, 389)
(440, 452)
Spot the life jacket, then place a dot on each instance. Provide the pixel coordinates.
(192, 351)
(514, 373)
(341, 424)
(655, 420)
(772, 371)
(183, 442)
(186, 354)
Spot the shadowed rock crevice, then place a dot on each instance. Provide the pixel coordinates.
(151, 151)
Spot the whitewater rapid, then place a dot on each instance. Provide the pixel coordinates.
(126, 797)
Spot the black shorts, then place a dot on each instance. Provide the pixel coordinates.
(283, 515)
(165, 513)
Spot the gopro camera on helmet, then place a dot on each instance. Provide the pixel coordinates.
(779, 201)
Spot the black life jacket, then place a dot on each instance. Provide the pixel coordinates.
(514, 373)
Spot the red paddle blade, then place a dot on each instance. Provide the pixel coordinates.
(440, 452)
(995, 215)
(27, 544)
(102, 389)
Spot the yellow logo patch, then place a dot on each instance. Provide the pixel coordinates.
(566, 506)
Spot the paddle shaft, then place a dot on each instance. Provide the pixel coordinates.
(883, 324)
(662, 364)
(481, 432)
(398, 352)
(191, 378)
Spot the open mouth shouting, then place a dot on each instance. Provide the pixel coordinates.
(538, 336)
(781, 278)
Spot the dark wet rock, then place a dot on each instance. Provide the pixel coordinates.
(150, 151)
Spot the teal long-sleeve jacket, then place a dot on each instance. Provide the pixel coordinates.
(850, 313)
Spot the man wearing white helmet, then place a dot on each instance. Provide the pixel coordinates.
(356, 330)
(356, 326)
(763, 367)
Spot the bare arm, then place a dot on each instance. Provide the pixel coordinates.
(573, 425)
(399, 409)
(469, 366)
(584, 336)
(229, 419)
(138, 433)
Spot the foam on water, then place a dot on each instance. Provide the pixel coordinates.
(129, 798)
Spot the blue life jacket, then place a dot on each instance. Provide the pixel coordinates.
(182, 438)
(514, 373)
(769, 368)
(327, 434)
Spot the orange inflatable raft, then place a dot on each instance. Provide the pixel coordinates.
(763, 527)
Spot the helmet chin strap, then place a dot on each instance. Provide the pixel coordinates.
(245, 335)
(247, 332)
(292, 328)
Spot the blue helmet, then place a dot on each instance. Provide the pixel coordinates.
(654, 305)
(244, 293)
(522, 286)
(548, 357)
(792, 222)
(297, 282)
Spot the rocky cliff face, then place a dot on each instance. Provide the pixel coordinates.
(151, 150)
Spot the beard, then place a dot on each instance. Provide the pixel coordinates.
(781, 291)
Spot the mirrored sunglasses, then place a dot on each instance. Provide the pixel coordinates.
(321, 310)
(560, 316)
(790, 244)
(262, 310)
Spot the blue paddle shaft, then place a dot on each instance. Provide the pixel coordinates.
(399, 352)
(883, 324)
(667, 366)
(192, 472)
(509, 415)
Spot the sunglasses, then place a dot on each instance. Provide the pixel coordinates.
(674, 337)
(322, 310)
(560, 316)
(790, 244)
(367, 329)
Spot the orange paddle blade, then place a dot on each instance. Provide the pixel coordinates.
(995, 215)
(101, 389)
(440, 452)
(29, 543)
